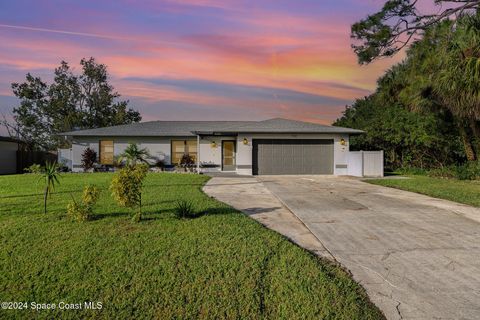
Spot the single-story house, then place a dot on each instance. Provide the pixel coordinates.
(275, 146)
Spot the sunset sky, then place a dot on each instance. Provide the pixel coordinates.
(198, 59)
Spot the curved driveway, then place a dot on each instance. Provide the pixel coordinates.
(418, 257)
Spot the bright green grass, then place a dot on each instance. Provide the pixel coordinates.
(222, 265)
(462, 191)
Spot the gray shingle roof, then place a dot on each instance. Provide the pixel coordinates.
(191, 128)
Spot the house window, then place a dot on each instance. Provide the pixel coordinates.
(106, 152)
(181, 147)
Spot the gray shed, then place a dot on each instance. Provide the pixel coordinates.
(8, 154)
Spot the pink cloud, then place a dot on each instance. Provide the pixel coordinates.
(264, 49)
(205, 3)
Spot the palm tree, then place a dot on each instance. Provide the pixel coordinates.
(441, 76)
(133, 154)
(457, 83)
(50, 174)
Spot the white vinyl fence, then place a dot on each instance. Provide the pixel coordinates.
(365, 163)
(65, 157)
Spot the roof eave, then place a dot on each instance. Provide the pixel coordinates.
(356, 133)
(279, 132)
(182, 134)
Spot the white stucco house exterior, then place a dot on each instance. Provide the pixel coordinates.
(275, 146)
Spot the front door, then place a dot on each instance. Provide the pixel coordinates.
(228, 155)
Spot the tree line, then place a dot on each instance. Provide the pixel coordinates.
(425, 111)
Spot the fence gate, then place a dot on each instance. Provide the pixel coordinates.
(365, 163)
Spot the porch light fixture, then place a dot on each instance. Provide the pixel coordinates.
(343, 142)
(213, 144)
(245, 141)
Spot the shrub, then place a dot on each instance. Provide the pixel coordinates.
(62, 167)
(34, 169)
(187, 161)
(160, 164)
(117, 162)
(133, 155)
(90, 195)
(84, 210)
(75, 211)
(411, 171)
(127, 186)
(445, 172)
(89, 157)
(185, 210)
(468, 171)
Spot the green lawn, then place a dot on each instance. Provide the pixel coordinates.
(222, 265)
(462, 191)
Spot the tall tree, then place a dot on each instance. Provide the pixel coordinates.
(422, 110)
(416, 84)
(443, 76)
(71, 102)
(441, 73)
(387, 31)
(458, 80)
(32, 119)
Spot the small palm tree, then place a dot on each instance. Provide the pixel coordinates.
(50, 176)
(133, 154)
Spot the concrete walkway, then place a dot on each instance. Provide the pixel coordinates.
(418, 257)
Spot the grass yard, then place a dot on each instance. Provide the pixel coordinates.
(222, 265)
(463, 191)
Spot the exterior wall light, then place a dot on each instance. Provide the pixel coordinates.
(343, 142)
(245, 141)
(213, 144)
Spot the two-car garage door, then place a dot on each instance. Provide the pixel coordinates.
(292, 156)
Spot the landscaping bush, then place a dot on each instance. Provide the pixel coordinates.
(187, 161)
(468, 171)
(89, 157)
(133, 155)
(127, 187)
(185, 210)
(62, 167)
(445, 172)
(411, 171)
(84, 210)
(34, 169)
(90, 195)
(117, 162)
(160, 164)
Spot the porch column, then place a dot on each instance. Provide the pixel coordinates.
(198, 153)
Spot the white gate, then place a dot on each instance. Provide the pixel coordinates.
(65, 157)
(365, 163)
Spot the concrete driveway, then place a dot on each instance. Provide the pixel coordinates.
(417, 257)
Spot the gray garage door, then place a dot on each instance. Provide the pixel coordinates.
(292, 156)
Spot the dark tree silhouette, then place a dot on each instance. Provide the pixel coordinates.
(71, 102)
(387, 31)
